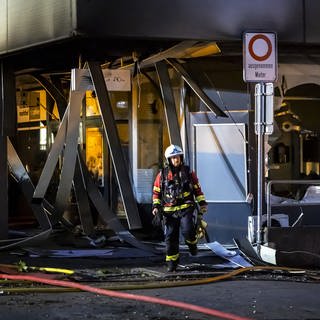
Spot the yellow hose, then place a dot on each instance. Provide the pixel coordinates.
(152, 285)
(22, 267)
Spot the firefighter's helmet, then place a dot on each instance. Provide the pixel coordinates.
(173, 150)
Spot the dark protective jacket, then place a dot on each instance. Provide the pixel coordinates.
(177, 189)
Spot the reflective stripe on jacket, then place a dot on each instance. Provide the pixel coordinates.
(188, 197)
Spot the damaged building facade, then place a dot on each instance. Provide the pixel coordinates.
(94, 91)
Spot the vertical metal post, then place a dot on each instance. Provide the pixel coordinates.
(8, 122)
(3, 188)
(263, 125)
(260, 188)
(134, 132)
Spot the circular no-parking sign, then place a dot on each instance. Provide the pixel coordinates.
(260, 57)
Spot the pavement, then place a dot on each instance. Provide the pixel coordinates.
(205, 281)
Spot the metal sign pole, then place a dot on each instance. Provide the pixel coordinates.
(263, 126)
(260, 66)
(259, 130)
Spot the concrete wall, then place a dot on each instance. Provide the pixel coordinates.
(35, 22)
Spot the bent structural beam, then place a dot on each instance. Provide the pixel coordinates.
(197, 90)
(169, 104)
(112, 136)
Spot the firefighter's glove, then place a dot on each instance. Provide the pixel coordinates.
(201, 227)
(157, 218)
(203, 209)
(155, 211)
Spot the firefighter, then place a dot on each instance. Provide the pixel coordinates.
(177, 195)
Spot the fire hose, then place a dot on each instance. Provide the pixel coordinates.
(124, 295)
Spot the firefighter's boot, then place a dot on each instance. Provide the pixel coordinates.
(172, 265)
(193, 249)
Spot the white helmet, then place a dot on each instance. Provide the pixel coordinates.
(173, 150)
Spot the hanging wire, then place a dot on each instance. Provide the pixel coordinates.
(234, 122)
(50, 113)
(139, 83)
(225, 106)
(137, 72)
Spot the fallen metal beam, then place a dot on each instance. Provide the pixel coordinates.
(51, 162)
(111, 132)
(21, 176)
(48, 171)
(173, 52)
(82, 200)
(55, 93)
(105, 212)
(196, 89)
(70, 153)
(169, 104)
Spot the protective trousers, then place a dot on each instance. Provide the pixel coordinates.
(173, 222)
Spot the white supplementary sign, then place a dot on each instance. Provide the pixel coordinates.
(115, 79)
(259, 57)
